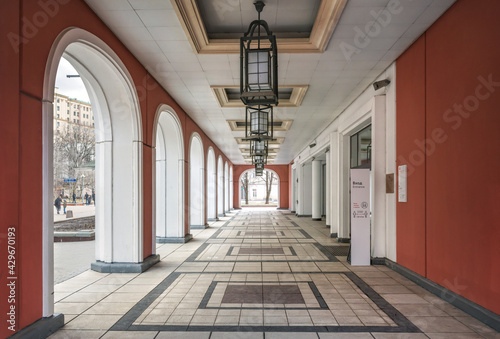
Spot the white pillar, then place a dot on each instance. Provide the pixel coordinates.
(327, 188)
(316, 190)
(299, 204)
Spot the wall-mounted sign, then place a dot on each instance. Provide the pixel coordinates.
(360, 216)
(402, 193)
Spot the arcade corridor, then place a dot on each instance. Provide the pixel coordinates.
(257, 273)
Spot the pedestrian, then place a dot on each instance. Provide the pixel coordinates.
(57, 204)
(74, 198)
(93, 197)
(65, 204)
(86, 199)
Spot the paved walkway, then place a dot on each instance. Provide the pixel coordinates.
(72, 258)
(257, 274)
(78, 212)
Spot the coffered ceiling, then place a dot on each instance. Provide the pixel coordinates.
(329, 52)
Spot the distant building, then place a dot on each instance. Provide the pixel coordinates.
(70, 112)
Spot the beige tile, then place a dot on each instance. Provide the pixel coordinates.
(130, 335)
(404, 299)
(439, 325)
(183, 335)
(82, 297)
(77, 334)
(110, 308)
(71, 308)
(93, 322)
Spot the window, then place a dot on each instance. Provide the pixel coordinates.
(361, 148)
(58, 108)
(57, 100)
(67, 111)
(254, 193)
(58, 116)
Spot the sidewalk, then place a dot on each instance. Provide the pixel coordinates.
(78, 212)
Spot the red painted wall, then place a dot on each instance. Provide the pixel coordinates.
(281, 170)
(457, 104)
(22, 68)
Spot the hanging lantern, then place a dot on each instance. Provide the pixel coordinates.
(259, 122)
(259, 159)
(258, 63)
(259, 169)
(258, 147)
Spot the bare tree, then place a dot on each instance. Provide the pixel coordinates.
(270, 176)
(73, 148)
(244, 184)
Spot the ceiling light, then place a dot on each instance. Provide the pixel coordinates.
(258, 63)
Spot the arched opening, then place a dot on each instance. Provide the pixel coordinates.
(118, 156)
(211, 186)
(196, 183)
(226, 188)
(259, 191)
(169, 176)
(220, 188)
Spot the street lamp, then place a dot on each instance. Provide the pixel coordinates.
(258, 63)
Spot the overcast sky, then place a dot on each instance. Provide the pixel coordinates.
(72, 87)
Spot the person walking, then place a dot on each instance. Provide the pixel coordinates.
(65, 204)
(57, 204)
(74, 198)
(86, 198)
(93, 197)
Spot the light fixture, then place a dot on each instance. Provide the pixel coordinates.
(259, 122)
(381, 83)
(259, 169)
(258, 63)
(259, 147)
(259, 159)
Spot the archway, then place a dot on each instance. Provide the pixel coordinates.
(118, 156)
(226, 187)
(220, 188)
(196, 183)
(168, 164)
(258, 195)
(211, 186)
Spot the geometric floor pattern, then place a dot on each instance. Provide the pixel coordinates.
(257, 273)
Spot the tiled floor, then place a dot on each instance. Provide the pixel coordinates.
(257, 273)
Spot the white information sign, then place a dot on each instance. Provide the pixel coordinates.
(360, 217)
(402, 194)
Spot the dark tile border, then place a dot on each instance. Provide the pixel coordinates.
(126, 323)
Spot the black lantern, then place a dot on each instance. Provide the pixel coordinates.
(258, 63)
(259, 159)
(259, 169)
(258, 147)
(259, 122)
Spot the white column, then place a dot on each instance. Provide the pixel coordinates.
(327, 188)
(378, 193)
(299, 204)
(335, 191)
(316, 190)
